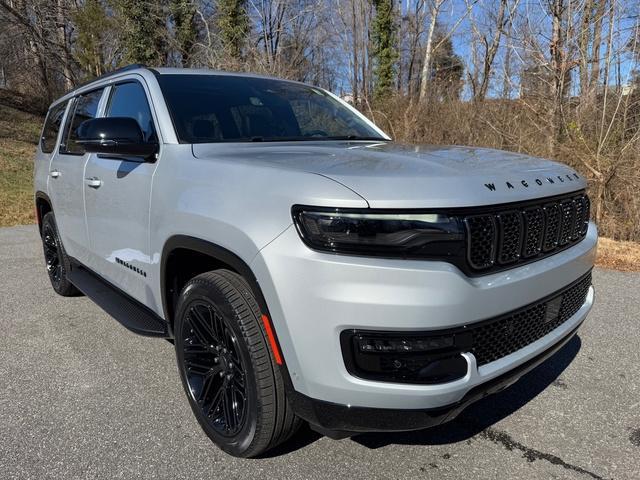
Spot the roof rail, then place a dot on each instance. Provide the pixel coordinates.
(126, 68)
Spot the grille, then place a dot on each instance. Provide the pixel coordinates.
(498, 338)
(499, 239)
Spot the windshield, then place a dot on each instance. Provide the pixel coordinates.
(226, 108)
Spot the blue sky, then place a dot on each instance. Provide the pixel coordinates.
(452, 10)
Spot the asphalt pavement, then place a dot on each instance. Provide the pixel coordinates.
(82, 397)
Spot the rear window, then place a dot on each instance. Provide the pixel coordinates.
(52, 127)
(228, 108)
(86, 108)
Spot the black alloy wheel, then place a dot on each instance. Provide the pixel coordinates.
(214, 368)
(56, 260)
(51, 254)
(227, 367)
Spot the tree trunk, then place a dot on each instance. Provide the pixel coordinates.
(597, 40)
(490, 53)
(556, 49)
(355, 52)
(61, 33)
(584, 40)
(426, 64)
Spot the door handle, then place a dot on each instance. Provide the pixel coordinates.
(54, 173)
(93, 182)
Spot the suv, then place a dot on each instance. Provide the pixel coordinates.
(305, 266)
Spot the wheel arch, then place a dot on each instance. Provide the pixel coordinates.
(43, 206)
(180, 247)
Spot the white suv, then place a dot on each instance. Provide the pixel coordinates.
(305, 266)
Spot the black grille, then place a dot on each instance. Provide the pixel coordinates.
(498, 338)
(504, 238)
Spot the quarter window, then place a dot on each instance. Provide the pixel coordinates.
(52, 127)
(85, 108)
(129, 100)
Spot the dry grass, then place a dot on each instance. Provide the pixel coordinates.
(19, 133)
(618, 255)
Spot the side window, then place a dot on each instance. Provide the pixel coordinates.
(52, 127)
(129, 100)
(85, 108)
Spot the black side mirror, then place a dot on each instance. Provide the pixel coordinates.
(121, 136)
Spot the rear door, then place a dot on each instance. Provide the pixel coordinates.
(117, 198)
(48, 143)
(66, 174)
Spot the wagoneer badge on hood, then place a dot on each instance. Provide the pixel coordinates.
(538, 181)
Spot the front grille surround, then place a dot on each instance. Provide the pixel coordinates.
(523, 234)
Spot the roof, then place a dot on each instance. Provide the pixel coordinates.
(137, 68)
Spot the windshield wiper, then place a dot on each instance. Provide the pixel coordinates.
(258, 138)
(356, 137)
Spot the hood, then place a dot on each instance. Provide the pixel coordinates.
(390, 175)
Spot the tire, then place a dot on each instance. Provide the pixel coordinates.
(227, 368)
(56, 259)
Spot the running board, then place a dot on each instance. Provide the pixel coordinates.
(126, 310)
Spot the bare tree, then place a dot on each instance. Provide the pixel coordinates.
(434, 11)
(489, 38)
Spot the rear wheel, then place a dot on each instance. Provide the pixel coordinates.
(56, 259)
(227, 369)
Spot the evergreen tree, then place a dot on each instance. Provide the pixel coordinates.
(93, 25)
(385, 50)
(447, 71)
(144, 30)
(233, 26)
(184, 13)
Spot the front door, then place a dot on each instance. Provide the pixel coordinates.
(117, 196)
(66, 172)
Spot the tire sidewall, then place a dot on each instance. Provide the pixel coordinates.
(202, 291)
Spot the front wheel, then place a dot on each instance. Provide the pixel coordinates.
(228, 371)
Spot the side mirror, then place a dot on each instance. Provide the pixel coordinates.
(120, 136)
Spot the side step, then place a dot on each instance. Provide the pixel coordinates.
(126, 310)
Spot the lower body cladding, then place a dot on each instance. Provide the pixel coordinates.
(389, 345)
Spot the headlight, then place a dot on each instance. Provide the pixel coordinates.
(409, 234)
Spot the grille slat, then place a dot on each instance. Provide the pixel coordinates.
(510, 242)
(534, 231)
(567, 215)
(495, 339)
(481, 231)
(507, 237)
(552, 227)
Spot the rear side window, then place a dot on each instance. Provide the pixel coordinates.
(52, 127)
(129, 100)
(85, 108)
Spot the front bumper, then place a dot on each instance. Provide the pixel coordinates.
(343, 420)
(313, 297)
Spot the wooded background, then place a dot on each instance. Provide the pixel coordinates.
(554, 78)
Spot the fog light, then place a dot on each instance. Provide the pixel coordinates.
(408, 358)
(368, 344)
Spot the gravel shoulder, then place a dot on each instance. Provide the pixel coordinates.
(81, 397)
